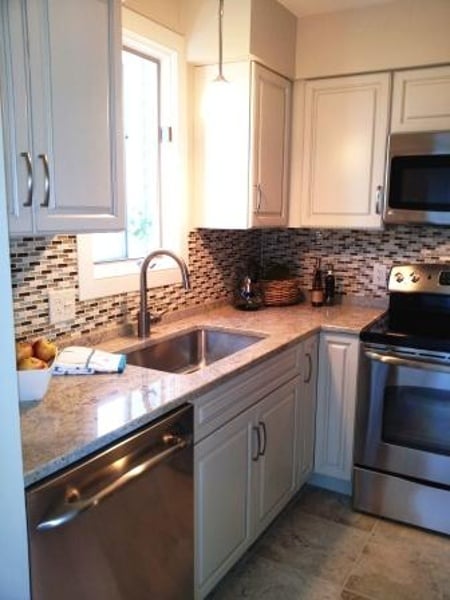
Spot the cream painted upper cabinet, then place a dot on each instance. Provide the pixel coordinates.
(421, 100)
(241, 147)
(61, 66)
(345, 125)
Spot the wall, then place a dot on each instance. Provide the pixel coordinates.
(170, 13)
(14, 572)
(42, 264)
(400, 34)
(262, 30)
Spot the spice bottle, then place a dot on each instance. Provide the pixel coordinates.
(317, 292)
(330, 285)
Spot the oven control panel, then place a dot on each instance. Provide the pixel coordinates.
(431, 278)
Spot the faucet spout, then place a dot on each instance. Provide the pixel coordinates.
(144, 314)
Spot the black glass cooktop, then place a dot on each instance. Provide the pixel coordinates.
(419, 330)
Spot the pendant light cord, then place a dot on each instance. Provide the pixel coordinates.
(220, 76)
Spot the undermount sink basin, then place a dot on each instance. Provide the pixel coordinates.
(190, 350)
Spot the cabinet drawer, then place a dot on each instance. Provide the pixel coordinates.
(229, 399)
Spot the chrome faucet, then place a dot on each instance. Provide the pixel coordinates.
(144, 317)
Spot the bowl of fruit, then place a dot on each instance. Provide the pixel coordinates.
(34, 368)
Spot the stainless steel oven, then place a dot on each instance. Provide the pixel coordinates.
(402, 434)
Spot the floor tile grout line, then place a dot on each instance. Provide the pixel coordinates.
(358, 559)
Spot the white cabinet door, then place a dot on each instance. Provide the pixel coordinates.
(270, 149)
(241, 147)
(15, 104)
(73, 109)
(274, 481)
(421, 100)
(223, 472)
(344, 146)
(336, 399)
(306, 414)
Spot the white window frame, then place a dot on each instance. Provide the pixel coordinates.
(108, 279)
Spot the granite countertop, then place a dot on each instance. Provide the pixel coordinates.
(83, 413)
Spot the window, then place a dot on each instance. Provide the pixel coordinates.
(153, 94)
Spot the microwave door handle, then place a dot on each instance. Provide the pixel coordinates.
(399, 361)
(69, 510)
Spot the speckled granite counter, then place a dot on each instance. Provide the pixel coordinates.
(81, 414)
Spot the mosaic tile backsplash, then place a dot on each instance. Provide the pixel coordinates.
(216, 258)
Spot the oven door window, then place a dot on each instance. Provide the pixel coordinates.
(417, 417)
(420, 183)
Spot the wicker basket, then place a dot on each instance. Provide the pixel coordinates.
(280, 292)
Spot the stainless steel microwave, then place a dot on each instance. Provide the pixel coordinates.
(418, 178)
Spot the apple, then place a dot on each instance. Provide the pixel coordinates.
(31, 363)
(23, 350)
(44, 349)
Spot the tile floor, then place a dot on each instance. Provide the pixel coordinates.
(319, 549)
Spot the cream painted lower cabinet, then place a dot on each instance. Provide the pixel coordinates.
(248, 469)
(336, 400)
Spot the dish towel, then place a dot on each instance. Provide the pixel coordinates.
(78, 360)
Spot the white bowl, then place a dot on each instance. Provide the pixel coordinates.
(33, 384)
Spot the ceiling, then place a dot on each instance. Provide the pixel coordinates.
(302, 8)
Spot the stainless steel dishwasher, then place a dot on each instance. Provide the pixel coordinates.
(119, 525)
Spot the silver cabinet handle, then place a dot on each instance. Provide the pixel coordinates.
(258, 189)
(29, 200)
(308, 378)
(73, 505)
(379, 199)
(258, 446)
(46, 201)
(262, 426)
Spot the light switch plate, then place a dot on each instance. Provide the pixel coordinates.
(61, 306)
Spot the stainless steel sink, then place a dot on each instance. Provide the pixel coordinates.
(190, 350)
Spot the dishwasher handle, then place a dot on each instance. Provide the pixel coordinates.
(69, 510)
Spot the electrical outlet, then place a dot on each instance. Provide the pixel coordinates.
(61, 306)
(379, 275)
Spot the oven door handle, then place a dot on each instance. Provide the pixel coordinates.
(399, 361)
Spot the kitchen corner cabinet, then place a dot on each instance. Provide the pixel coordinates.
(421, 100)
(241, 147)
(61, 90)
(336, 400)
(345, 125)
